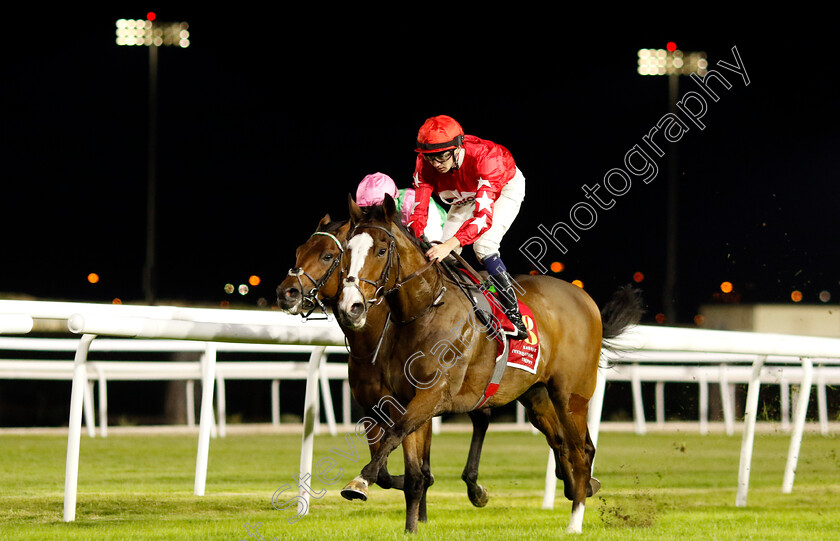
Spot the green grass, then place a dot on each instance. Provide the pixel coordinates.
(657, 486)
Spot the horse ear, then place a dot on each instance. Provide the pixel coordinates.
(324, 222)
(355, 210)
(389, 206)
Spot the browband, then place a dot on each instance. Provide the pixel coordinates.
(330, 235)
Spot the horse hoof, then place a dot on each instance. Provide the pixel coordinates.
(479, 497)
(594, 486)
(357, 489)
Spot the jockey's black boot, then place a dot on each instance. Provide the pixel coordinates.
(507, 298)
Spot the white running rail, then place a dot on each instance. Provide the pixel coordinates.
(213, 326)
(208, 326)
(767, 349)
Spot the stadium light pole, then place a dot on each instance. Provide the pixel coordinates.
(149, 33)
(673, 63)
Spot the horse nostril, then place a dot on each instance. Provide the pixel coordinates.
(291, 293)
(356, 309)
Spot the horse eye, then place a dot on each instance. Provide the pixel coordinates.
(327, 257)
(382, 252)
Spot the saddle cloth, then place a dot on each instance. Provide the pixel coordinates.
(522, 354)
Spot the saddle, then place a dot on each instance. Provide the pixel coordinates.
(480, 293)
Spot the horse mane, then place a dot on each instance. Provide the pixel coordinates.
(377, 213)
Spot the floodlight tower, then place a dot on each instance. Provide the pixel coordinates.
(149, 33)
(673, 63)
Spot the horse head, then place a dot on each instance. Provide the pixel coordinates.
(313, 279)
(381, 256)
(369, 261)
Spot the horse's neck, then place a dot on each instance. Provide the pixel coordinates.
(416, 288)
(411, 257)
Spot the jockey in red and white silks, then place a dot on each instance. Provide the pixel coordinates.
(484, 192)
(484, 188)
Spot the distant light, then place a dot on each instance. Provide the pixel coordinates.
(116, 301)
(825, 296)
(150, 15)
(228, 288)
(796, 296)
(254, 280)
(93, 278)
(578, 283)
(638, 277)
(726, 287)
(671, 62)
(143, 32)
(532, 272)
(243, 289)
(671, 46)
(660, 318)
(699, 320)
(557, 267)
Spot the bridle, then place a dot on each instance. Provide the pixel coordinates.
(379, 284)
(381, 291)
(309, 299)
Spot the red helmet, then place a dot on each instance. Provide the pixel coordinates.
(439, 133)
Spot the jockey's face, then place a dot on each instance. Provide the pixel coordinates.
(441, 161)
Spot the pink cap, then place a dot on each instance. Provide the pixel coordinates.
(372, 189)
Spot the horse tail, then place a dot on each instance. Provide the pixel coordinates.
(623, 311)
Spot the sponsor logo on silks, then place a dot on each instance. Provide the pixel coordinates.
(456, 197)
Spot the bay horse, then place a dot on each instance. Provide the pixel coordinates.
(442, 358)
(313, 284)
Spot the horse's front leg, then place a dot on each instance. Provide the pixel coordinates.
(369, 393)
(384, 479)
(389, 434)
(418, 476)
(417, 454)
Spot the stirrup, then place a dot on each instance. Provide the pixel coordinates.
(521, 330)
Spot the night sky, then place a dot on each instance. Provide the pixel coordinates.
(269, 119)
